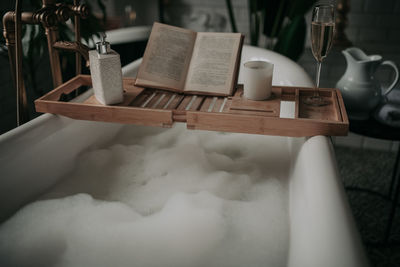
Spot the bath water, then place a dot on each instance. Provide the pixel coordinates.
(155, 197)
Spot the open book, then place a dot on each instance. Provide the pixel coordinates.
(182, 60)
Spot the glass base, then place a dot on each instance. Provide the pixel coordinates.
(315, 101)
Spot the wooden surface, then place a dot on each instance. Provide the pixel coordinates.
(231, 114)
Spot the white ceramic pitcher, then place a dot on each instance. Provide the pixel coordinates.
(361, 91)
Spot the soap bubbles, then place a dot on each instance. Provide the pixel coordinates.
(155, 197)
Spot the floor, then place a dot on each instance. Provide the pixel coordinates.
(371, 170)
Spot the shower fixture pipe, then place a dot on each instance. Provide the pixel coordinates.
(49, 15)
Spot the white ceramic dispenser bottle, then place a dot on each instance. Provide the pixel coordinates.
(105, 69)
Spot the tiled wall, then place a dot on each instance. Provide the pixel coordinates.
(207, 15)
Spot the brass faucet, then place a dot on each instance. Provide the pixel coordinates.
(49, 15)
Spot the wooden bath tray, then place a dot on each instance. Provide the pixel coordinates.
(284, 114)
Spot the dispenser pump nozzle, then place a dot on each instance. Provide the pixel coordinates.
(103, 47)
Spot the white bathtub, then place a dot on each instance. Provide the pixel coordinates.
(322, 231)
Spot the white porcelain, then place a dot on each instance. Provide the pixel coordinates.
(126, 35)
(257, 84)
(361, 91)
(322, 231)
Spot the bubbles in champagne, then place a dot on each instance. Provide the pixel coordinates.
(321, 38)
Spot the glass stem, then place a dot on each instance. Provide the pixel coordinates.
(316, 90)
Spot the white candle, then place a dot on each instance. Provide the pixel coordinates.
(257, 76)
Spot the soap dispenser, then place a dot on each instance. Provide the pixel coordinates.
(105, 69)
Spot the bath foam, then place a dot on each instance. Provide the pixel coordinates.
(160, 198)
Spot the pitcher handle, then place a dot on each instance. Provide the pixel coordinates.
(396, 78)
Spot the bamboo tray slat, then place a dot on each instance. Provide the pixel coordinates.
(231, 114)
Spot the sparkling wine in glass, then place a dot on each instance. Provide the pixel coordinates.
(322, 27)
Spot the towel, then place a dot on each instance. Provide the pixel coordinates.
(394, 95)
(389, 112)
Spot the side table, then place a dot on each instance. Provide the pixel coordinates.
(375, 129)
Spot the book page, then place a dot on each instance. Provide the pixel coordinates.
(167, 57)
(214, 63)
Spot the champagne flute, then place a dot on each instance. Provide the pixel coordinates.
(322, 27)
